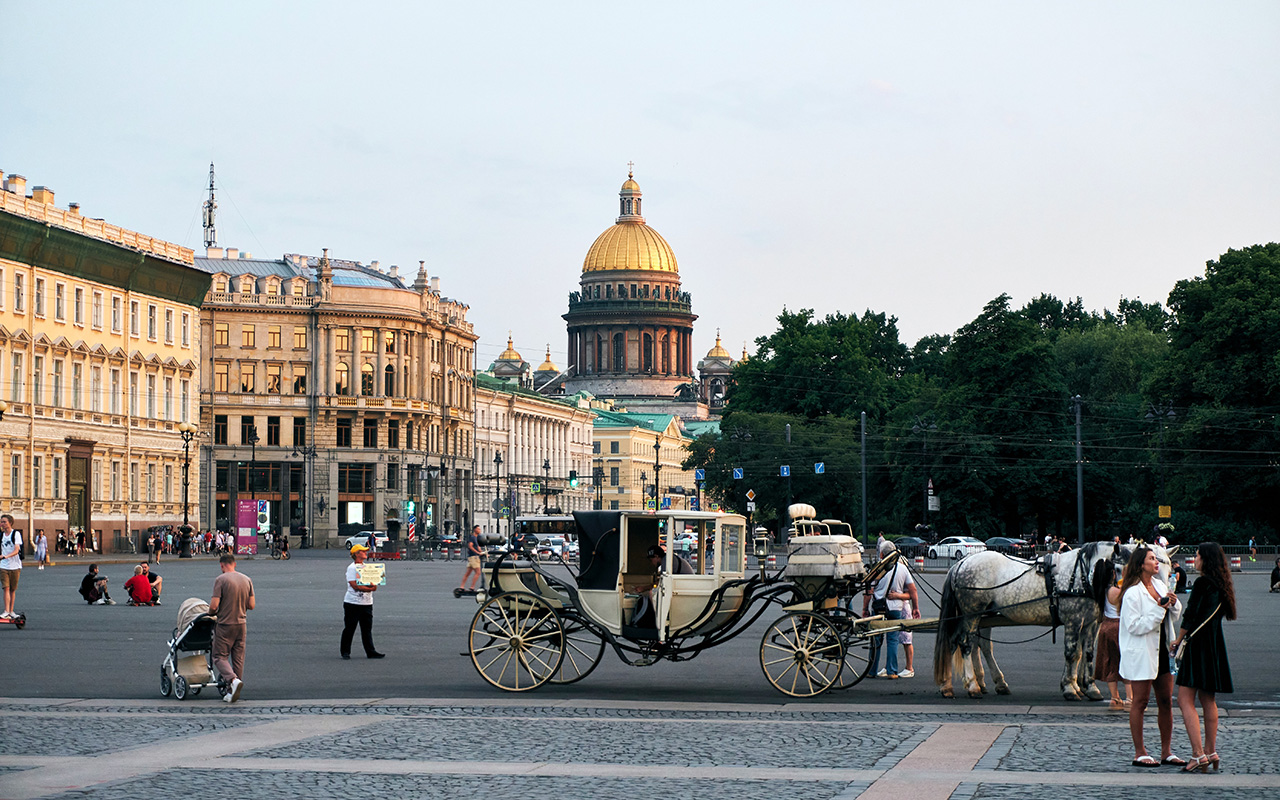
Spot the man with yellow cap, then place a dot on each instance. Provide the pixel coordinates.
(357, 607)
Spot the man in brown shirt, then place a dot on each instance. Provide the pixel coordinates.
(232, 598)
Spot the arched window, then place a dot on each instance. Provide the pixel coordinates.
(389, 381)
(366, 380)
(664, 346)
(342, 379)
(647, 357)
(619, 352)
(602, 359)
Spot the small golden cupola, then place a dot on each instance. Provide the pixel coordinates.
(718, 351)
(510, 353)
(548, 366)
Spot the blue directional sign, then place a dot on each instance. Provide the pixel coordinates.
(737, 473)
(820, 467)
(784, 471)
(666, 502)
(699, 474)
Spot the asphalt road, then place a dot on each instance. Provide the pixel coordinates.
(70, 649)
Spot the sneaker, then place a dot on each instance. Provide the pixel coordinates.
(110, 602)
(907, 673)
(156, 603)
(101, 601)
(5, 615)
(233, 694)
(893, 677)
(882, 674)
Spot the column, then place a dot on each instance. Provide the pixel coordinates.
(329, 358)
(379, 356)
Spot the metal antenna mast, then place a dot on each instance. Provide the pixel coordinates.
(210, 211)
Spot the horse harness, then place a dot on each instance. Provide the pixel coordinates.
(1078, 585)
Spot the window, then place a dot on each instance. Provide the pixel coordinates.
(613, 448)
(344, 432)
(273, 431)
(185, 400)
(219, 428)
(299, 337)
(220, 285)
(273, 378)
(366, 380)
(299, 431)
(39, 297)
(57, 478)
(151, 396)
(595, 448)
(355, 478)
(37, 380)
(186, 328)
(77, 378)
(248, 336)
(366, 341)
(95, 480)
(168, 483)
(1, 288)
(389, 342)
(133, 394)
(248, 431)
(273, 336)
(77, 308)
(299, 380)
(342, 340)
(389, 381)
(36, 476)
(151, 483)
(115, 391)
(273, 288)
(115, 480)
(19, 292)
(15, 474)
(95, 389)
(19, 377)
(370, 432)
(221, 335)
(134, 321)
(167, 409)
(97, 310)
(168, 326)
(60, 301)
(115, 315)
(393, 434)
(247, 385)
(613, 476)
(134, 494)
(246, 286)
(341, 381)
(151, 321)
(222, 377)
(299, 289)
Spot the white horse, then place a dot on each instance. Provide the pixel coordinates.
(1002, 590)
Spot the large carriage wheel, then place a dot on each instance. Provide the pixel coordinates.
(583, 651)
(801, 654)
(857, 653)
(517, 641)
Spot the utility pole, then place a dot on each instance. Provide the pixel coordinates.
(788, 479)
(865, 538)
(1077, 402)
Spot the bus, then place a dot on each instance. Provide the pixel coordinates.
(542, 526)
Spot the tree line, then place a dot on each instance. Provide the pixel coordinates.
(1178, 405)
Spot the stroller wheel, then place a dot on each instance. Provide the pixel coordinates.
(166, 685)
(180, 688)
(195, 691)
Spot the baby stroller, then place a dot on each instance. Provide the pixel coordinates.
(188, 666)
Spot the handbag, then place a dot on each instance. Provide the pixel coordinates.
(1182, 645)
(880, 605)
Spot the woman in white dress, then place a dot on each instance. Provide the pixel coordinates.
(1148, 622)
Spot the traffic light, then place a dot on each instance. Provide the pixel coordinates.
(573, 479)
(410, 507)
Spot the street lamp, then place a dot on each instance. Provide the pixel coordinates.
(657, 467)
(497, 493)
(253, 466)
(597, 475)
(546, 469)
(306, 452)
(644, 490)
(923, 426)
(188, 432)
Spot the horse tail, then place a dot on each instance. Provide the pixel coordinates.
(950, 622)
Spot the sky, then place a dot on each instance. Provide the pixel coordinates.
(915, 159)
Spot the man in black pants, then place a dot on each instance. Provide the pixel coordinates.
(357, 607)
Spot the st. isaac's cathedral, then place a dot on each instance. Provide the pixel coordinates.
(630, 328)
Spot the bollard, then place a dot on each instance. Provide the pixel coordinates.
(457, 553)
(1189, 562)
(1235, 564)
(919, 563)
(771, 561)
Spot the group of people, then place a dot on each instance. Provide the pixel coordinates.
(1139, 637)
(143, 587)
(895, 597)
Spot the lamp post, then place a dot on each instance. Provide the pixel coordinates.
(307, 452)
(546, 469)
(644, 490)
(253, 465)
(923, 426)
(597, 475)
(497, 494)
(188, 432)
(1161, 414)
(657, 467)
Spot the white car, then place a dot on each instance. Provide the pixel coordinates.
(956, 547)
(379, 537)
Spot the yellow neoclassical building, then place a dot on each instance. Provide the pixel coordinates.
(99, 361)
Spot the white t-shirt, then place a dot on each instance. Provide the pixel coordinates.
(8, 542)
(898, 579)
(353, 597)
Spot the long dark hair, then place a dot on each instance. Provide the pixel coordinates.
(1213, 564)
(1133, 569)
(1104, 577)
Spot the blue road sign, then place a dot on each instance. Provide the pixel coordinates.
(737, 473)
(694, 505)
(819, 468)
(666, 502)
(535, 488)
(699, 474)
(784, 471)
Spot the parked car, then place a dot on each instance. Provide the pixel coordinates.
(551, 546)
(1019, 548)
(379, 537)
(911, 546)
(956, 547)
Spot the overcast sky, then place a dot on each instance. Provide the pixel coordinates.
(912, 158)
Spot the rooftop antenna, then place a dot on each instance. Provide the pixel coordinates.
(210, 210)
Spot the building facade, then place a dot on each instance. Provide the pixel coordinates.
(542, 442)
(335, 393)
(626, 449)
(100, 359)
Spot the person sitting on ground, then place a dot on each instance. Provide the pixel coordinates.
(93, 588)
(157, 582)
(139, 588)
(1275, 577)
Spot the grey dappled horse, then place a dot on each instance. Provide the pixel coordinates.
(993, 584)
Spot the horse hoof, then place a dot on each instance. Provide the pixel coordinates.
(1071, 696)
(975, 695)
(948, 693)
(1003, 690)
(1094, 694)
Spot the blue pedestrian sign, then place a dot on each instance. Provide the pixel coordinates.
(819, 468)
(699, 474)
(784, 471)
(666, 502)
(737, 473)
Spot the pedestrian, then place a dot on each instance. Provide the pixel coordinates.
(1275, 577)
(1106, 662)
(1253, 549)
(1147, 613)
(357, 607)
(1205, 671)
(42, 549)
(80, 542)
(472, 547)
(887, 598)
(10, 563)
(905, 639)
(232, 599)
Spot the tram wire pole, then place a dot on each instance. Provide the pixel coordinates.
(1077, 402)
(783, 537)
(865, 537)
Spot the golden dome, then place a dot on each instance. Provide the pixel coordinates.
(630, 185)
(630, 245)
(510, 353)
(718, 351)
(547, 366)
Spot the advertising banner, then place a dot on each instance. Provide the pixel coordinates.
(247, 526)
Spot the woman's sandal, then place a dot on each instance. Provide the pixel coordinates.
(1198, 763)
(1118, 705)
(1214, 761)
(1146, 761)
(1173, 761)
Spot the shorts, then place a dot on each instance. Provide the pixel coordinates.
(473, 562)
(9, 579)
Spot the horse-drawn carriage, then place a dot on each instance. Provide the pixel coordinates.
(540, 624)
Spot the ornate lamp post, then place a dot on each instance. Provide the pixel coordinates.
(188, 432)
(306, 452)
(253, 465)
(657, 467)
(546, 469)
(497, 493)
(644, 490)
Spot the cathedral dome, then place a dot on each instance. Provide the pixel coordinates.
(718, 351)
(548, 366)
(630, 244)
(510, 353)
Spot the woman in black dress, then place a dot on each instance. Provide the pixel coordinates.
(1204, 671)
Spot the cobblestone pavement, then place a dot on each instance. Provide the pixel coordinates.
(397, 748)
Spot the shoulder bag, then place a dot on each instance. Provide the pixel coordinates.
(880, 605)
(1182, 645)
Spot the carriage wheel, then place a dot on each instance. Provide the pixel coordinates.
(583, 651)
(857, 661)
(516, 641)
(166, 683)
(801, 654)
(180, 688)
